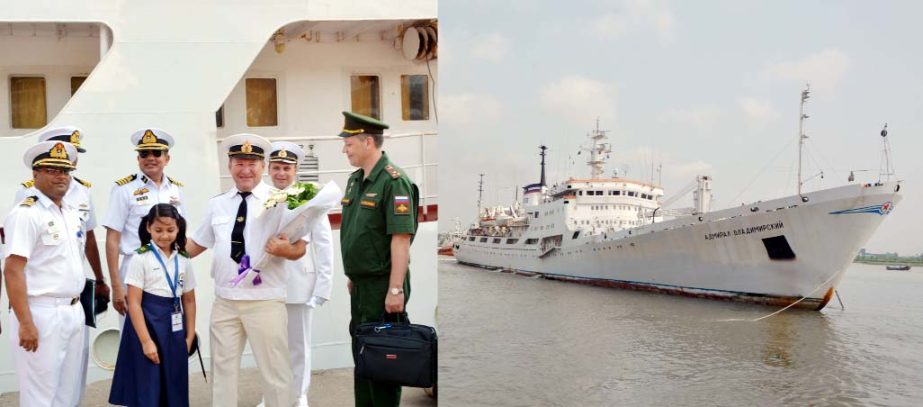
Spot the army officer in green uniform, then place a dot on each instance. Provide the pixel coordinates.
(379, 221)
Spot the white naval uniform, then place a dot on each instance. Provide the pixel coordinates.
(246, 312)
(310, 283)
(131, 199)
(78, 193)
(52, 240)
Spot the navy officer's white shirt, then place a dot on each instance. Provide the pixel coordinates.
(131, 199)
(146, 273)
(215, 233)
(310, 278)
(51, 239)
(78, 194)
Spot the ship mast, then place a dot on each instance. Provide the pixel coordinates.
(543, 148)
(805, 94)
(599, 151)
(885, 170)
(480, 193)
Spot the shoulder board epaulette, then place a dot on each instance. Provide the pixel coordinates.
(125, 180)
(29, 201)
(82, 182)
(393, 171)
(142, 249)
(175, 182)
(28, 184)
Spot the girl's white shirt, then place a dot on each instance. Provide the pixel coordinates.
(146, 273)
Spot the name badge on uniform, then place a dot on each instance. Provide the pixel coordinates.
(177, 318)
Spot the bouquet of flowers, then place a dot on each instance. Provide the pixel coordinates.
(304, 207)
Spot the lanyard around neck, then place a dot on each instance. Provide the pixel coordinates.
(172, 283)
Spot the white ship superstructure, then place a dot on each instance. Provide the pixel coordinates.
(615, 232)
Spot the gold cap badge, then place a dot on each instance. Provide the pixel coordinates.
(58, 151)
(149, 137)
(283, 153)
(247, 148)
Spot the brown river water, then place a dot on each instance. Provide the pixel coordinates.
(512, 340)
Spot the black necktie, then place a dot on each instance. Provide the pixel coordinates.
(237, 235)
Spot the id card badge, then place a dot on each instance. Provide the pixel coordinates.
(177, 321)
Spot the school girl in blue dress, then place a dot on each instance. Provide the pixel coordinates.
(152, 366)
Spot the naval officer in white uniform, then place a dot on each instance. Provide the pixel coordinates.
(253, 311)
(132, 198)
(78, 194)
(44, 277)
(310, 279)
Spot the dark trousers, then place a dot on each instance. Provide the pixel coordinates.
(367, 304)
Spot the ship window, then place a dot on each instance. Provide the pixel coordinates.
(632, 193)
(366, 95)
(414, 97)
(76, 81)
(261, 102)
(777, 248)
(511, 241)
(27, 100)
(483, 240)
(532, 241)
(470, 238)
(617, 193)
(576, 235)
(579, 192)
(496, 240)
(219, 117)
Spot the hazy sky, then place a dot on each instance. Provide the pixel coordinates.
(703, 87)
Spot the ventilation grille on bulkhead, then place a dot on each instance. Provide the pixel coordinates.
(777, 248)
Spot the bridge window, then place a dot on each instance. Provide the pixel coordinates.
(262, 109)
(414, 97)
(27, 102)
(366, 95)
(219, 117)
(76, 81)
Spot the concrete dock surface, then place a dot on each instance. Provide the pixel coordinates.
(333, 387)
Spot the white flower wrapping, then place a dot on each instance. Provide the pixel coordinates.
(276, 219)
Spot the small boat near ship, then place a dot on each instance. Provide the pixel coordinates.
(619, 232)
(898, 267)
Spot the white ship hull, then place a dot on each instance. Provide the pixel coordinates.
(719, 255)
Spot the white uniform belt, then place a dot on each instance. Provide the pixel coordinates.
(53, 301)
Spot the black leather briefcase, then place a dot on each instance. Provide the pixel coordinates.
(398, 353)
